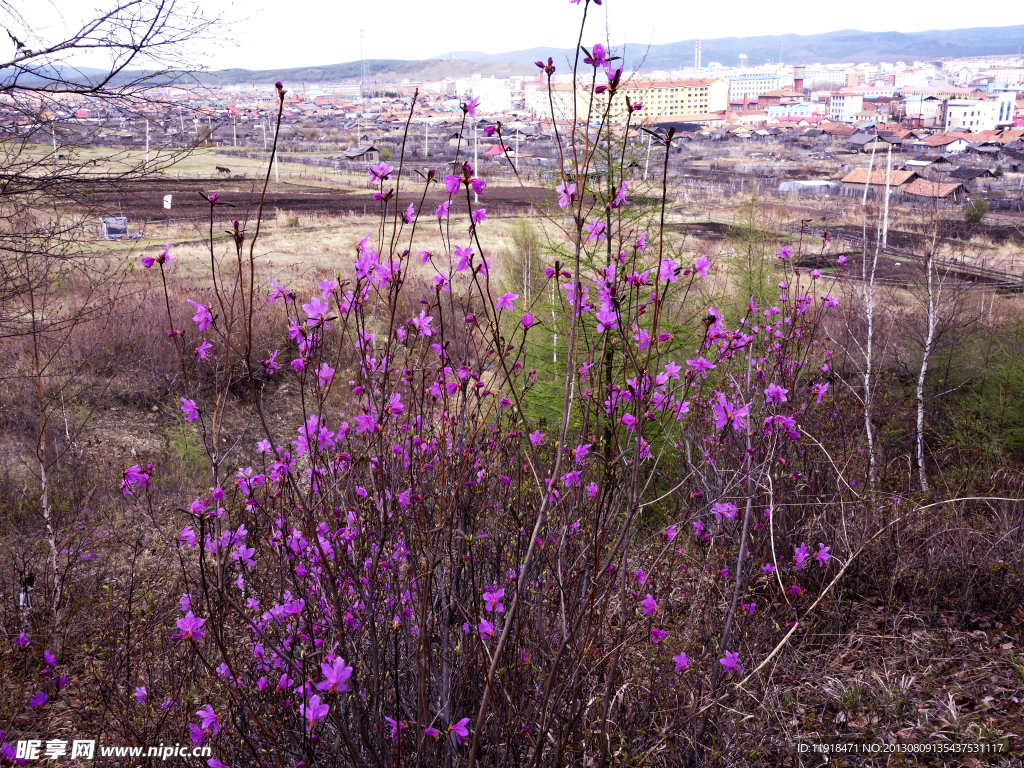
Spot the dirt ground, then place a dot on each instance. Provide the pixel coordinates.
(143, 200)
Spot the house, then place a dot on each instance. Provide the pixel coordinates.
(367, 154)
(857, 179)
(866, 142)
(779, 96)
(970, 174)
(941, 143)
(953, 190)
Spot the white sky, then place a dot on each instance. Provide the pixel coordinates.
(278, 33)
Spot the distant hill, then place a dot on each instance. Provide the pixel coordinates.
(383, 70)
(847, 45)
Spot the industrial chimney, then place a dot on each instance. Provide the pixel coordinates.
(798, 78)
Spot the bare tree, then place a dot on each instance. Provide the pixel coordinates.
(53, 292)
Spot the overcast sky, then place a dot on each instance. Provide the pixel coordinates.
(262, 34)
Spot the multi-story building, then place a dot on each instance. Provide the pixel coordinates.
(970, 115)
(495, 95)
(842, 107)
(752, 85)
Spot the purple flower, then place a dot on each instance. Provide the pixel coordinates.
(442, 210)
(830, 300)
(537, 437)
(460, 730)
(324, 375)
(202, 318)
(316, 311)
(785, 252)
(380, 172)
(726, 413)
(528, 319)
(209, 720)
(700, 266)
(819, 390)
(567, 194)
(682, 661)
(479, 216)
(698, 527)
(470, 106)
(431, 731)
(776, 394)
(202, 349)
(335, 675)
(451, 183)
(489, 131)
(478, 185)
(657, 635)
(49, 658)
(597, 57)
(492, 598)
(486, 628)
(38, 700)
(726, 509)
(768, 568)
(667, 270)
(213, 762)
(731, 662)
(190, 410)
(133, 478)
(596, 230)
(213, 198)
(800, 555)
(191, 628)
(649, 605)
(313, 711)
(505, 301)
(701, 366)
(140, 694)
(822, 555)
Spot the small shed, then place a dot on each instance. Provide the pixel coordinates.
(368, 154)
(114, 227)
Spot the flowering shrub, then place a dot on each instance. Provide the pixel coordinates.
(418, 569)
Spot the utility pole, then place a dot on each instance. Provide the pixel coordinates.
(517, 149)
(476, 162)
(426, 139)
(147, 144)
(277, 164)
(650, 138)
(234, 130)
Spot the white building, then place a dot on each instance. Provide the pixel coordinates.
(843, 106)
(794, 110)
(495, 95)
(752, 85)
(970, 115)
(1007, 102)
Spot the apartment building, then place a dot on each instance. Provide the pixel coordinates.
(970, 115)
(842, 107)
(752, 85)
